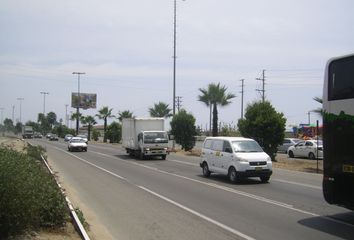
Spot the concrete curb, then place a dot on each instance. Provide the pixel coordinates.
(81, 230)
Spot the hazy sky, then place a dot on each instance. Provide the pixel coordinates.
(125, 47)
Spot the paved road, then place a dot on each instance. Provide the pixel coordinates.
(157, 199)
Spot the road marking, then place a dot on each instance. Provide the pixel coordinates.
(287, 206)
(223, 226)
(299, 184)
(245, 194)
(94, 165)
(186, 163)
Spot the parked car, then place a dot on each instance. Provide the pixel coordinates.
(287, 142)
(235, 157)
(67, 137)
(48, 135)
(77, 143)
(83, 137)
(307, 149)
(53, 137)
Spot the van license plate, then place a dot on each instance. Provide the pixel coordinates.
(258, 168)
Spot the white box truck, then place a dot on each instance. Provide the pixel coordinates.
(145, 137)
(27, 132)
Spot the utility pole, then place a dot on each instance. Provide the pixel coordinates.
(44, 93)
(263, 83)
(242, 91)
(78, 101)
(66, 115)
(20, 99)
(179, 102)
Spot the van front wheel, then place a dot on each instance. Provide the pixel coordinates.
(233, 176)
(206, 172)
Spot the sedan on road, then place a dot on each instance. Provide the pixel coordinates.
(77, 143)
(308, 148)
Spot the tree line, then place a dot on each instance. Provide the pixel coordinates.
(261, 122)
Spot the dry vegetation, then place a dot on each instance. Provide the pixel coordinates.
(67, 232)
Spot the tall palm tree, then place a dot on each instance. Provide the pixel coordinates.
(160, 110)
(215, 95)
(90, 121)
(125, 114)
(105, 113)
(205, 98)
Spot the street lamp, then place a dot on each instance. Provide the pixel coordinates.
(44, 93)
(78, 102)
(20, 99)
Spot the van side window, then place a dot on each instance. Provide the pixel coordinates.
(207, 144)
(226, 146)
(218, 145)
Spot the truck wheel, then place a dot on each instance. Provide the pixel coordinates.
(163, 157)
(141, 156)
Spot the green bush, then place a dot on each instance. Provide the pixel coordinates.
(29, 196)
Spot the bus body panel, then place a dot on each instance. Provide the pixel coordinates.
(338, 132)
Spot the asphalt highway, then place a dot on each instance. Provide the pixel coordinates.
(170, 199)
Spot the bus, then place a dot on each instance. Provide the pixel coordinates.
(338, 132)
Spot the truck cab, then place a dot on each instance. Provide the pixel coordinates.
(153, 143)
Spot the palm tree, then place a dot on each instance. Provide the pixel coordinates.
(90, 121)
(105, 113)
(160, 110)
(213, 96)
(125, 114)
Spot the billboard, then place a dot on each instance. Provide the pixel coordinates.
(87, 100)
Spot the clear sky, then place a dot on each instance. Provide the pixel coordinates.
(125, 47)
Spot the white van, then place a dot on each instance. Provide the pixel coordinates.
(236, 157)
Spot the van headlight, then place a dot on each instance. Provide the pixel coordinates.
(243, 160)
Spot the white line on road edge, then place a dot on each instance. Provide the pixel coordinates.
(186, 163)
(290, 207)
(245, 194)
(223, 226)
(295, 183)
(77, 221)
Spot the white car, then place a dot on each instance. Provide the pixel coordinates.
(287, 142)
(77, 143)
(307, 149)
(235, 157)
(83, 137)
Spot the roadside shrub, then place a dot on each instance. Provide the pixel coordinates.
(29, 196)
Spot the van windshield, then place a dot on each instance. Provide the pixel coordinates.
(155, 137)
(246, 146)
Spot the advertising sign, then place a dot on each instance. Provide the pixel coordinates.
(86, 101)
